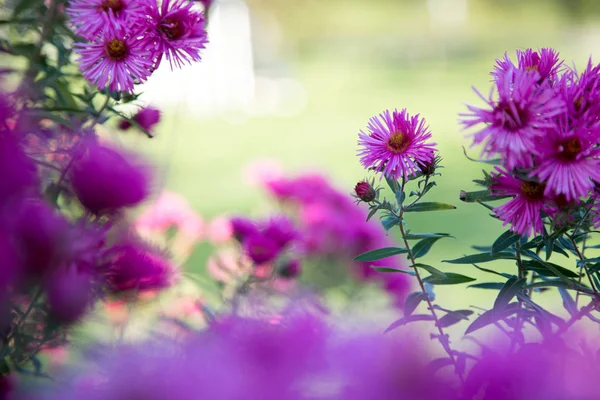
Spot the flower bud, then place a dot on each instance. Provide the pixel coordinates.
(365, 192)
(290, 269)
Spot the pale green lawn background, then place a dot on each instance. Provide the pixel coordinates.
(356, 60)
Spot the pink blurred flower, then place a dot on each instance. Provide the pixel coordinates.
(171, 210)
(219, 230)
(147, 117)
(261, 172)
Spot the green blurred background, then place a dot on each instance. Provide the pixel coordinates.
(352, 59)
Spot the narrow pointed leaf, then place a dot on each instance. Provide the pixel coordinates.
(391, 270)
(432, 270)
(508, 291)
(454, 317)
(505, 240)
(407, 320)
(438, 364)
(416, 236)
(502, 274)
(450, 279)
(492, 316)
(378, 254)
(423, 247)
(568, 302)
(429, 206)
(412, 302)
(487, 285)
(481, 258)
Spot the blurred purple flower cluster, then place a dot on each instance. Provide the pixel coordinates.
(544, 126)
(301, 356)
(332, 227)
(127, 39)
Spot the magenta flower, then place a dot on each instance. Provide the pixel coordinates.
(568, 161)
(146, 118)
(117, 59)
(582, 95)
(135, 266)
(90, 17)
(395, 144)
(281, 230)
(242, 228)
(514, 123)
(545, 62)
(18, 171)
(176, 30)
(106, 180)
(261, 248)
(524, 211)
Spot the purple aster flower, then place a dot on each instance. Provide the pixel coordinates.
(176, 30)
(135, 266)
(242, 228)
(281, 230)
(582, 95)
(261, 248)
(545, 62)
(106, 180)
(568, 161)
(514, 123)
(90, 17)
(524, 211)
(117, 58)
(395, 144)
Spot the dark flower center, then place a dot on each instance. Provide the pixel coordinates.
(532, 190)
(512, 116)
(578, 104)
(116, 50)
(172, 28)
(115, 5)
(398, 142)
(570, 149)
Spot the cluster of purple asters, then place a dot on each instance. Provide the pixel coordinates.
(63, 244)
(333, 228)
(542, 123)
(127, 39)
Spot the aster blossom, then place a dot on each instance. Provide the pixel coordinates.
(524, 211)
(581, 92)
(514, 123)
(90, 17)
(396, 144)
(116, 58)
(175, 30)
(569, 161)
(545, 62)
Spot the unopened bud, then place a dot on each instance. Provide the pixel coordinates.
(365, 191)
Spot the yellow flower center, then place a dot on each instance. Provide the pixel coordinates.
(116, 50)
(173, 28)
(532, 190)
(570, 149)
(398, 142)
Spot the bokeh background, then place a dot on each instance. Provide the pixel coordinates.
(294, 82)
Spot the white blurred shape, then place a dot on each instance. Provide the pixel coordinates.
(447, 12)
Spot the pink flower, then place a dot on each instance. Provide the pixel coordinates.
(568, 162)
(117, 58)
(172, 210)
(219, 230)
(545, 62)
(91, 17)
(524, 211)
(514, 123)
(260, 173)
(175, 30)
(395, 144)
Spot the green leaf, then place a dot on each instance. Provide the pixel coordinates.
(545, 268)
(400, 196)
(487, 285)
(504, 241)
(23, 5)
(372, 212)
(508, 291)
(492, 316)
(438, 364)
(416, 236)
(481, 258)
(502, 274)
(478, 196)
(436, 273)
(378, 254)
(407, 320)
(392, 270)
(450, 279)
(454, 317)
(412, 302)
(429, 206)
(568, 302)
(390, 221)
(423, 247)
(490, 162)
(557, 283)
